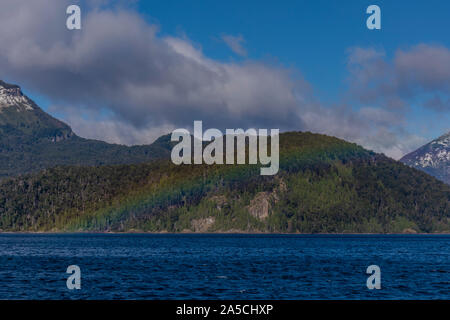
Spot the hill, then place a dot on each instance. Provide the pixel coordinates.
(32, 140)
(324, 185)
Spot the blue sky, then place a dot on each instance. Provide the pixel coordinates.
(139, 69)
(311, 36)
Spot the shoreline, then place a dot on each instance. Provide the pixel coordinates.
(215, 233)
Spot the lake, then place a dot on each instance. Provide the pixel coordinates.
(224, 266)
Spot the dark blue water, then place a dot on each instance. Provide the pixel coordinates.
(130, 266)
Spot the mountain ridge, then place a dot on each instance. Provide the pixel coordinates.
(54, 181)
(432, 158)
(32, 140)
(325, 185)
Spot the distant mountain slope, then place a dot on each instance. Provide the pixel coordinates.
(433, 158)
(324, 185)
(31, 140)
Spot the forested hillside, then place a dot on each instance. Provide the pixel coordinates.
(324, 185)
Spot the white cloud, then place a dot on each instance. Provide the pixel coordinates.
(135, 84)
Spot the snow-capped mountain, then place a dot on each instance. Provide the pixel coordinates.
(23, 122)
(12, 96)
(433, 158)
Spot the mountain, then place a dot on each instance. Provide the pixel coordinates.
(31, 140)
(433, 158)
(325, 185)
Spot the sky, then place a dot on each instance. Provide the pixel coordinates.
(139, 69)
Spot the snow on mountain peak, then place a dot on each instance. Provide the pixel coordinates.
(433, 158)
(11, 95)
(443, 140)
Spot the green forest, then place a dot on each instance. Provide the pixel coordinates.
(325, 185)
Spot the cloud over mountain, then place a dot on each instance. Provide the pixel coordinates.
(119, 80)
(118, 63)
